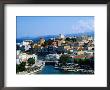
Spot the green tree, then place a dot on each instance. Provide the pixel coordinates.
(74, 39)
(20, 67)
(78, 61)
(64, 59)
(67, 39)
(45, 43)
(31, 61)
(85, 61)
(69, 52)
(49, 42)
(17, 68)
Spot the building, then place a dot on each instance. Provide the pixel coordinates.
(27, 42)
(90, 38)
(54, 43)
(36, 46)
(17, 56)
(59, 43)
(81, 43)
(80, 52)
(91, 48)
(80, 48)
(52, 57)
(27, 47)
(89, 52)
(61, 36)
(23, 57)
(67, 47)
(42, 40)
(17, 61)
(79, 57)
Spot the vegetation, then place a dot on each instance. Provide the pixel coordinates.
(67, 39)
(22, 48)
(82, 61)
(64, 59)
(86, 61)
(71, 39)
(20, 67)
(45, 43)
(31, 61)
(69, 52)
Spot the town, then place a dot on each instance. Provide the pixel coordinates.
(58, 55)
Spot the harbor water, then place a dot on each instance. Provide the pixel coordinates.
(50, 69)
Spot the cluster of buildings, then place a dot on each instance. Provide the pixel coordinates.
(52, 49)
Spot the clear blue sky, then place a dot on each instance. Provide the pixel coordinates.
(33, 26)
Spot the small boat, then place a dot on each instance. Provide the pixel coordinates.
(56, 66)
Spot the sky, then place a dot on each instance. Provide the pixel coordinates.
(34, 26)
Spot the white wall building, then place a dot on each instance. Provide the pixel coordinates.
(17, 56)
(27, 47)
(23, 57)
(61, 36)
(27, 42)
(90, 48)
(89, 53)
(52, 57)
(17, 61)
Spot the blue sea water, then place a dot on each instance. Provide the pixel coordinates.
(49, 69)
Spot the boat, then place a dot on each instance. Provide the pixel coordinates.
(56, 66)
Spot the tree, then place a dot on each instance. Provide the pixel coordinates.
(17, 47)
(31, 61)
(22, 48)
(69, 52)
(17, 68)
(20, 67)
(67, 39)
(78, 61)
(91, 62)
(74, 39)
(45, 43)
(64, 59)
(49, 41)
(85, 61)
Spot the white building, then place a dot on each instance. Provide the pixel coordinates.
(81, 43)
(90, 38)
(85, 41)
(18, 52)
(90, 48)
(23, 57)
(27, 42)
(89, 52)
(17, 57)
(27, 47)
(52, 57)
(61, 36)
(80, 52)
(17, 61)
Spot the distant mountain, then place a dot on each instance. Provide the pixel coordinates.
(35, 39)
(79, 34)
